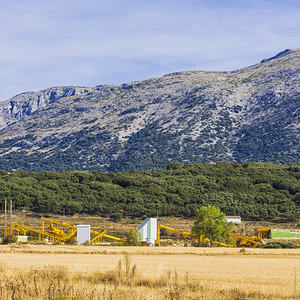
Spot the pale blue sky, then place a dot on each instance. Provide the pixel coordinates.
(91, 42)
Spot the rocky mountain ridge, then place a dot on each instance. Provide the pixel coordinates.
(250, 114)
(23, 105)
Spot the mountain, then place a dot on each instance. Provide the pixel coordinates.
(250, 114)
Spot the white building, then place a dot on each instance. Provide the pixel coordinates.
(148, 230)
(83, 234)
(233, 219)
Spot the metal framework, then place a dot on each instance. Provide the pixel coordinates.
(239, 240)
(50, 229)
(97, 236)
(183, 233)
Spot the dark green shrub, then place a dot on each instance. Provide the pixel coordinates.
(280, 245)
(71, 241)
(117, 217)
(9, 239)
(133, 238)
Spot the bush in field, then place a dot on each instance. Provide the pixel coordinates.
(280, 245)
(9, 239)
(133, 238)
(71, 241)
(117, 217)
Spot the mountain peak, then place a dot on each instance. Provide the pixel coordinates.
(187, 117)
(280, 54)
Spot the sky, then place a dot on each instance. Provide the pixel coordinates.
(91, 42)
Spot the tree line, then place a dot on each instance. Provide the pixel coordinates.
(252, 190)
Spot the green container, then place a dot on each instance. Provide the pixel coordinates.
(284, 234)
(22, 239)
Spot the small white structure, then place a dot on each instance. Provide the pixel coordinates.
(83, 234)
(22, 238)
(148, 230)
(233, 219)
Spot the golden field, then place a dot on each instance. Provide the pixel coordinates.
(91, 272)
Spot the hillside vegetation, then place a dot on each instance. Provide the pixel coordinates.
(252, 190)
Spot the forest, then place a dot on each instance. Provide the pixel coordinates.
(253, 190)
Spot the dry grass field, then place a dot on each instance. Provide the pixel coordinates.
(87, 272)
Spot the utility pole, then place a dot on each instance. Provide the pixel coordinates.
(5, 218)
(10, 229)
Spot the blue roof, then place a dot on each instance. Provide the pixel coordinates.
(143, 224)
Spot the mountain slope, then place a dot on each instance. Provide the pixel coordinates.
(251, 114)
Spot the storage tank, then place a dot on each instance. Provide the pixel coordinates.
(148, 230)
(83, 234)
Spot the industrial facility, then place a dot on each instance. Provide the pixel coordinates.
(54, 231)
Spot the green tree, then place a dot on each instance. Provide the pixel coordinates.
(133, 238)
(211, 223)
(9, 239)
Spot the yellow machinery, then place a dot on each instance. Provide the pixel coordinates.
(25, 229)
(97, 236)
(54, 230)
(252, 241)
(239, 240)
(183, 233)
(186, 235)
(245, 241)
(263, 233)
(54, 234)
(51, 230)
(22, 228)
